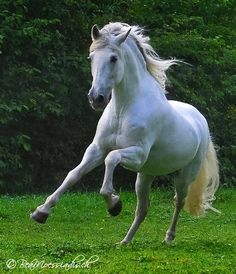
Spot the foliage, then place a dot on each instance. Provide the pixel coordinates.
(45, 120)
(80, 225)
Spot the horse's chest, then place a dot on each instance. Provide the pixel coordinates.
(124, 134)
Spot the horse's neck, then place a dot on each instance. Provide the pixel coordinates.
(136, 82)
(136, 86)
(129, 89)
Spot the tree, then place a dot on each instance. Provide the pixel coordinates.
(45, 120)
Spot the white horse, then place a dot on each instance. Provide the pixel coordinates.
(141, 130)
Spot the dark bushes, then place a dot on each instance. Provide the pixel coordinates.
(45, 120)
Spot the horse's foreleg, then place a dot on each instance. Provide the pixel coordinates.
(92, 158)
(131, 157)
(142, 188)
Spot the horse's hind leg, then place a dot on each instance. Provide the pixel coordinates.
(186, 176)
(179, 203)
(142, 188)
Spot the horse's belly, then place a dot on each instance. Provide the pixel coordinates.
(168, 161)
(156, 168)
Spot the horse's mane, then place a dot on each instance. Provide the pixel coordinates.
(155, 65)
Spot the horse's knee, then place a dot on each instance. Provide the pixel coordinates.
(113, 158)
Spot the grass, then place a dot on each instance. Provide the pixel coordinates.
(80, 229)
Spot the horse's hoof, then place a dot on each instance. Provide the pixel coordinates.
(39, 216)
(170, 236)
(167, 242)
(123, 242)
(116, 209)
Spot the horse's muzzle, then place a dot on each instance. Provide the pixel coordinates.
(97, 100)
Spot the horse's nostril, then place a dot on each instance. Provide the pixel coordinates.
(100, 98)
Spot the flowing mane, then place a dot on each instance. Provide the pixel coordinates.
(155, 65)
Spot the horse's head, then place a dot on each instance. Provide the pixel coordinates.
(107, 66)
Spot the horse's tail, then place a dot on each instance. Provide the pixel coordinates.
(201, 193)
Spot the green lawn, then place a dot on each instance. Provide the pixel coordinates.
(81, 229)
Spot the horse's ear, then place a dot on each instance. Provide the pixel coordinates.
(95, 32)
(121, 38)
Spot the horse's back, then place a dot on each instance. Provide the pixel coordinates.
(188, 112)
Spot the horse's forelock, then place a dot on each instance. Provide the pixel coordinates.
(109, 30)
(102, 41)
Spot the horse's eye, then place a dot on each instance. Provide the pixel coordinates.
(113, 59)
